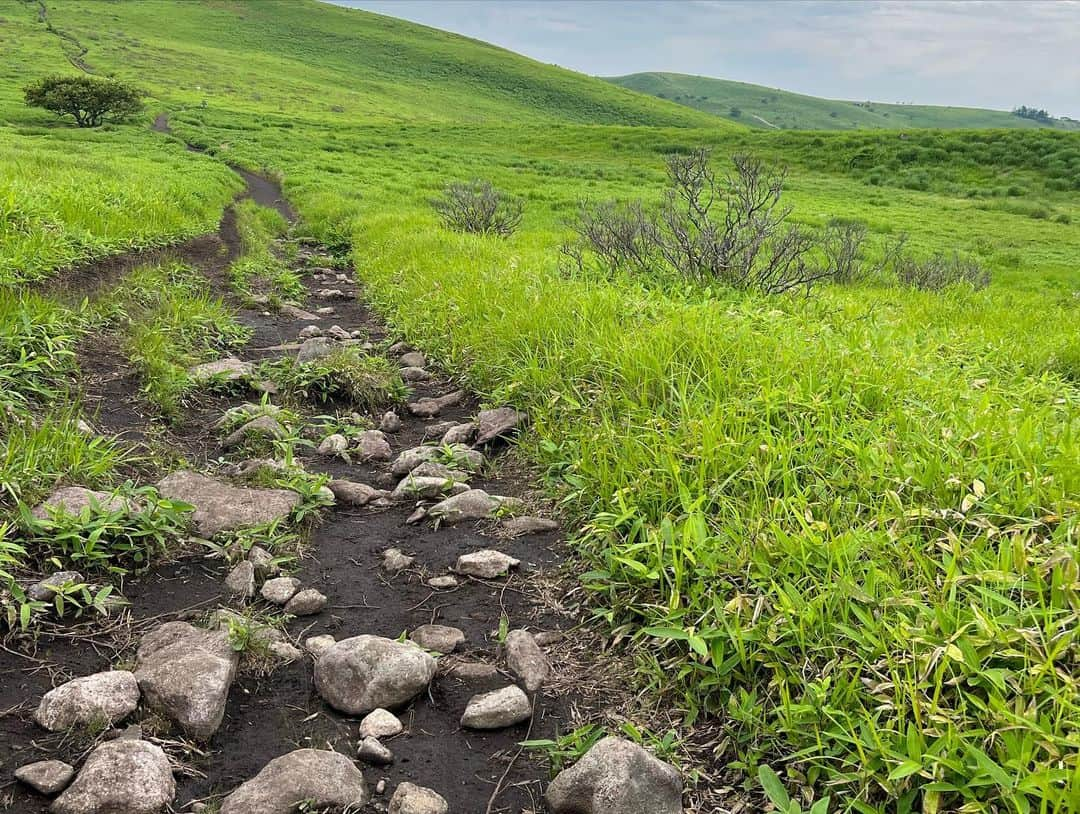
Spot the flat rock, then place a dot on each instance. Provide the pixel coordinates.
(498, 423)
(371, 445)
(390, 422)
(380, 723)
(364, 673)
(431, 407)
(475, 504)
(48, 777)
(417, 487)
(497, 709)
(616, 777)
(434, 469)
(442, 583)
(339, 334)
(315, 777)
(262, 428)
(412, 799)
(186, 672)
(220, 507)
(240, 581)
(96, 700)
(307, 602)
(352, 493)
(459, 434)
(414, 374)
(229, 369)
(412, 359)
(371, 751)
(485, 564)
(409, 459)
(526, 660)
(124, 775)
(280, 590)
(310, 332)
(46, 589)
(317, 645)
(440, 638)
(71, 500)
(395, 560)
(437, 429)
(472, 670)
(526, 524)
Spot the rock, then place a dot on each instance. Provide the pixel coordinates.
(315, 777)
(254, 468)
(129, 776)
(409, 459)
(497, 709)
(307, 602)
(98, 700)
(412, 799)
(440, 638)
(399, 348)
(465, 458)
(380, 723)
(284, 651)
(371, 751)
(418, 514)
(240, 581)
(262, 428)
(459, 434)
(390, 422)
(299, 314)
(338, 333)
(394, 560)
(364, 673)
(373, 446)
(432, 469)
(333, 445)
(526, 660)
(317, 645)
(310, 332)
(186, 673)
(312, 349)
(474, 504)
(71, 500)
(263, 561)
(443, 582)
(220, 507)
(472, 670)
(267, 386)
(414, 374)
(280, 590)
(416, 488)
(485, 564)
(229, 369)
(412, 359)
(353, 494)
(520, 526)
(431, 407)
(380, 787)
(331, 294)
(546, 638)
(326, 311)
(436, 430)
(498, 423)
(45, 591)
(616, 777)
(48, 777)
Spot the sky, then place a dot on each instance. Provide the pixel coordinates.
(976, 53)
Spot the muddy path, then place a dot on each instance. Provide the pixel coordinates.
(271, 715)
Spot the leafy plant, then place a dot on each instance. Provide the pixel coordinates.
(478, 207)
(88, 99)
(346, 374)
(778, 796)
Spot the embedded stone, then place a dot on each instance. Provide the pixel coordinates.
(240, 581)
(439, 638)
(97, 700)
(124, 775)
(48, 777)
(371, 751)
(380, 723)
(485, 564)
(280, 590)
(497, 709)
(498, 423)
(412, 799)
(220, 507)
(229, 369)
(364, 673)
(526, 660)
(373, 446)
(525, 524)
(307, 602)
(317, 778)
(71, 500)
(46, 589)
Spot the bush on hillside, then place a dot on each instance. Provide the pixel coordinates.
(88, 99)
(940, 271)
(478, 207)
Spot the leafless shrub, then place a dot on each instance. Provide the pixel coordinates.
(478, 207)
(622, 236)
(842, 242)
(940, 271)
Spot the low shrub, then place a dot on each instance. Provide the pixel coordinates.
(940, 271)
(478, 207)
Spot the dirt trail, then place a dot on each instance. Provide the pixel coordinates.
(273, 715)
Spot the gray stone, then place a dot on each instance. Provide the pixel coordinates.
(412, 799)
(399, 348)
(280, 590)
(394, 560)
(417, 487)
(307, 602)
(443, 582)
(96, 700)
(264, 427)
(353, 494)
(299, 313)
(129, 776)
(310, 332)
(333, 445)
(409, 459)
(317, 645)
(436, 430)
(412, 359)
(371, 751)
(475, 504)
(459, 434)
(186, 673)
(220, 507)
(440, 638)
(71, 500)
(433, 469)
(390, 422)
(546, 638)
(520, 526)
(418, 514)
(526, 660)
(254, 468)
(45, 591)
(373, 446)
(431, 407)
(616, 777)
(229, 369)
(485, 564)
(284, 651)
(326, 311)
(380, 723)
(338, 333)
(263, 561)
(240, 581)
(497, 709)
(498, 423)
(316, 777)
(331, 294)
(364, 673)
(48, 777)
(414, 374)
(315, 348)
(472, 670)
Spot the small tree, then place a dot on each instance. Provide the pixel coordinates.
(89, 99)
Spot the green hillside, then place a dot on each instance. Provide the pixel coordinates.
(770, 108)
(834, 532)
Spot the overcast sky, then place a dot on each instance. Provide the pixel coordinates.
(978, 53)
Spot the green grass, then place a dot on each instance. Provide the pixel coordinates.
(774, 109)
(259, 271)
(843, 526)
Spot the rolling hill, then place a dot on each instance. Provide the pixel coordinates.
(770, 108)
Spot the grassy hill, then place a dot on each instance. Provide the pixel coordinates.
(770, 108)
(841, 526)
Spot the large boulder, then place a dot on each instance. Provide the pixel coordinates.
(616, 777)
(497, 423)
(96, 700)
(186, 672)
(71, 500)
(125, 775)
(316, 777)
(220, 507)
(364, 673)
